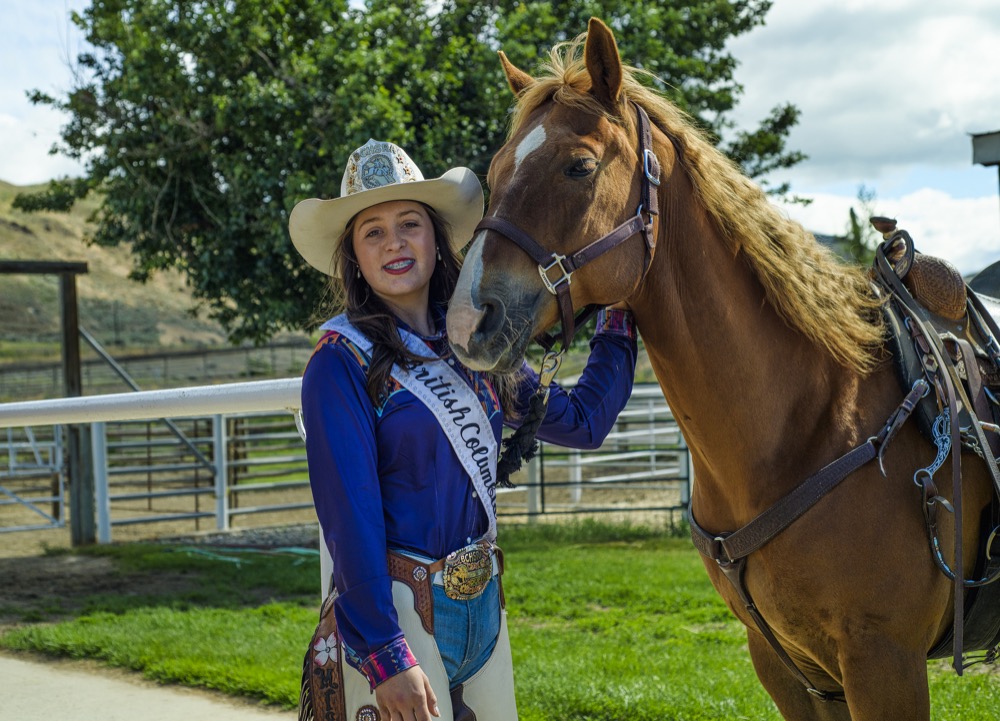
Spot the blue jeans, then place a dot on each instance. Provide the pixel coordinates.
(466, 631)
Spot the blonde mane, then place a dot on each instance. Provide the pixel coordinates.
(827, 300)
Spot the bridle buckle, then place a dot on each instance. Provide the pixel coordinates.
(648, 157)
(566, 277)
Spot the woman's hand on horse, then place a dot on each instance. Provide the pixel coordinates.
(407, 695)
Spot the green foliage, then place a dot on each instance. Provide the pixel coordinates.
(59, 195)
(860, 239)
(764, 150)
(202, 124)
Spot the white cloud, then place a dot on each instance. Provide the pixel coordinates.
(889, 92)
(25, 142)
(964, 231)
(37, 38)
(881, 85)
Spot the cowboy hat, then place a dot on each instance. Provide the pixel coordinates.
(378, 172)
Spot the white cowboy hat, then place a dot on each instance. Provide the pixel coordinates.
(378, 172)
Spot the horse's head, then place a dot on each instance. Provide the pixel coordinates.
(570, 174)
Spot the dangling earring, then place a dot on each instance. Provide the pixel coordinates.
(358, 271)
(438, 252)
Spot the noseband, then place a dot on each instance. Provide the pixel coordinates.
(565, 266)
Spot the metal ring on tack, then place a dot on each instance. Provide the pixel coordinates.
(543, 270)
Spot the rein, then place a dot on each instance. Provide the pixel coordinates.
(521, 445)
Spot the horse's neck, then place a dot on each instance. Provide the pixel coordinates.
(749, 392)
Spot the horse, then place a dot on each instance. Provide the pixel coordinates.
(770, 351)
(987, 281)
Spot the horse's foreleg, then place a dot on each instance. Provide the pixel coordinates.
(879, 683)
(794, 702)
(882, 682)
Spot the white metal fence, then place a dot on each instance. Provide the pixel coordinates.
(32, 479)
(240, 441)
(158, 370)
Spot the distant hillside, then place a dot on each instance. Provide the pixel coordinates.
(120, 313)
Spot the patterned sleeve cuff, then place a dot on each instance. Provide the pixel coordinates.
(619, 322)
(389, 660)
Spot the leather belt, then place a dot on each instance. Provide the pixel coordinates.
(464, 574)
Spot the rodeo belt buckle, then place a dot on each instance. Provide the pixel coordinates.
(467, 571)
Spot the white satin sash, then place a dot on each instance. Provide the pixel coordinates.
(457, 409)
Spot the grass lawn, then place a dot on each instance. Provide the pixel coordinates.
(607, 622)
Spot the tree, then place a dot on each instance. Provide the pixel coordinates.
(201, 124)
(860, 238)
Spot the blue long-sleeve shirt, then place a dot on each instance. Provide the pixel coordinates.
(386, 477)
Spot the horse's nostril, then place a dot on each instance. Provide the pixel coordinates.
(492, 319)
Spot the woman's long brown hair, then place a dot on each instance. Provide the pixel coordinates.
(369, 314)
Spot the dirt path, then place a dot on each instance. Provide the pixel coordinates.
(39, 584)
(33, 543)
(36, 689)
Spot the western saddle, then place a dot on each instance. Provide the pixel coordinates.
(943, 332)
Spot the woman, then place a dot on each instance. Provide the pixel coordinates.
(402, 442)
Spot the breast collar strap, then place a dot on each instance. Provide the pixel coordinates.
(557, 270)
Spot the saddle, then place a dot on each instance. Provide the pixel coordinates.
(944, 332)
(987, 281)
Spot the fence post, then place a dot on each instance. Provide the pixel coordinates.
(11, 453)
(102, 494)
(688, 479)
(221, 472)
(81, 485)
(534, 489)
(59, 486)
(653, 448)
(575, 476)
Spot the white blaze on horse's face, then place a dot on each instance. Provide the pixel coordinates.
(463, 314)
(467, 309)
(531, 142)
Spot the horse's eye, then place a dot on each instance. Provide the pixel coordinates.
(582, 168)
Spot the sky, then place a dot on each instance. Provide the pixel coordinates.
(890, 92)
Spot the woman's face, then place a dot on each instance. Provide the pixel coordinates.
(396, 252)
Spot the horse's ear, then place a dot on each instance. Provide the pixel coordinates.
(604, 64)
(517, 79)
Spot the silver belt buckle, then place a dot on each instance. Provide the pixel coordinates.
(467, 571)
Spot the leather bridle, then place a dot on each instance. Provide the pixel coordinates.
(564, 266)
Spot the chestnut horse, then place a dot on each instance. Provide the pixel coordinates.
(770, 354)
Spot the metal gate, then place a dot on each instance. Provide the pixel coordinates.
(32, 479)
